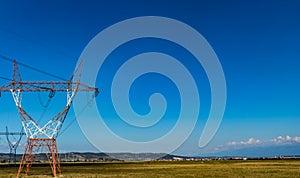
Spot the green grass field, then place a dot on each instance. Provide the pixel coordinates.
(259, 168)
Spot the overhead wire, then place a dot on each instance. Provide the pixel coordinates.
(32, 68)
(44, 107)
(88, 104)
(40, 71)
(4, 78)
(37, 70)
(48, 102)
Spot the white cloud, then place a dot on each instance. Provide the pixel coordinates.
(251, 142)
(280, 140)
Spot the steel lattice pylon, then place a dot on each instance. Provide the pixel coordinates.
(39, 137)
(13, 145)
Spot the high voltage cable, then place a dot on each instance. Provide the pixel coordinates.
(32, 68)
(76, 116)
(49, 74)
(4, 78)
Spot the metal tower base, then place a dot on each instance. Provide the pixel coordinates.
(32, 148)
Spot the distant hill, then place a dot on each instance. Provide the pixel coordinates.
(254, 152)
(262, 151)
(76, 156)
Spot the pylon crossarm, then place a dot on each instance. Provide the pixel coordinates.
(38, 136)
(45, 86)
(51, 129)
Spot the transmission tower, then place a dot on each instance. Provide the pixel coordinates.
(43, 138)
(13, 146)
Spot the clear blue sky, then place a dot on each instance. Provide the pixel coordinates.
(257, 42)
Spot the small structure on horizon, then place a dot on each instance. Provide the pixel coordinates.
(13, 146)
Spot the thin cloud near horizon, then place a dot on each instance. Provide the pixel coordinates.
(252, 142)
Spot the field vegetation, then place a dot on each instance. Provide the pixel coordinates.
(164, 169)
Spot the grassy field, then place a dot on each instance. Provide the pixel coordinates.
(260, 168)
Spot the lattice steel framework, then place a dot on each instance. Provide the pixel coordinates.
(13, 145)
(43, 136)
(32, 148)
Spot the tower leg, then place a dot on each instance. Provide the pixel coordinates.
(23, 161)
(15, 156)
(10, 155)
(52, 154)
(32, 148)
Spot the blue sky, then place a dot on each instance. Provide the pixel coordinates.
(257, 44)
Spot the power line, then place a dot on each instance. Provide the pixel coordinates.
(89, 102)
(74, 119)
(32, 68)
(4, 78)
